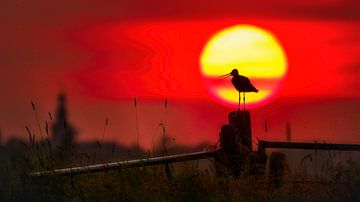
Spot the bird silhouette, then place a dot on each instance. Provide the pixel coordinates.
(241, 84)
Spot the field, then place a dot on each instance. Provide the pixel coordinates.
(187, 181)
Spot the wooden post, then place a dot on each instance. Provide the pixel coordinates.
(277, 167)
(258, 161)
(241, 120)
(228, 161)
(236, 144)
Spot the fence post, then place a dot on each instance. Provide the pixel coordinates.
(227, 161)
(235, 145)
(241, 120)
(277, 167)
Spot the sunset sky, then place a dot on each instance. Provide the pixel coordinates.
(102, 55)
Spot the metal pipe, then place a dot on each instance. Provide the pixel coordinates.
(302, 145)
(126, 164)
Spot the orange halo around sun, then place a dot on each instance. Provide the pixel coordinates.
(255, 52)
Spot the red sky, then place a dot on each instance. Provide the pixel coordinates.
(105, 54)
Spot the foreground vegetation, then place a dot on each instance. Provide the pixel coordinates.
(187, 182)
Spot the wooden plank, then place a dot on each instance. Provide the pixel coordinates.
(126, 164)
(302, 145)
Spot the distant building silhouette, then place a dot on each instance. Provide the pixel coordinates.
(63, 132)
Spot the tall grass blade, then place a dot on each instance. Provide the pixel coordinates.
(137, 129)
(47, 128)
(33, 105)
(164, 138)
(105, 126)
(28, 130)
(49, 146)
(98, 144)
(36, 118)
(50, 116)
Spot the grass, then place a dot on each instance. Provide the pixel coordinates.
(187, 183)
(179, 182)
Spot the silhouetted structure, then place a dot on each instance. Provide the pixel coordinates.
(63, 132)
(277, 168)
(242, 121)
(241, 83)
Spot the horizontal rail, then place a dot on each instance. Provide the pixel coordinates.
(126, 164)
(313, 146)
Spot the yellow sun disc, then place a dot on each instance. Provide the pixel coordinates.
(255, 52)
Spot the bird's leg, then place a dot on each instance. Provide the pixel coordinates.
(239, 101)
(244, 100)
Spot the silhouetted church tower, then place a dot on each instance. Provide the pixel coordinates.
(63, 132)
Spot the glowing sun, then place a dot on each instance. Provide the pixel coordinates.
(255, 52)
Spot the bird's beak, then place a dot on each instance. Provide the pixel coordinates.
(225, 76)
